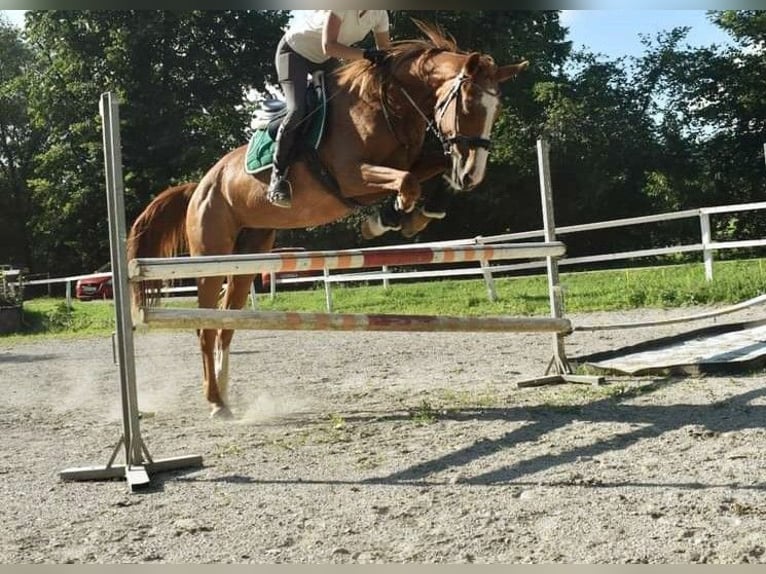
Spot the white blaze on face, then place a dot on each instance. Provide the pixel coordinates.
(489, 103)
(470, 172)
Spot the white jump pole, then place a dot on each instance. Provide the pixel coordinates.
(559, 370)
(138, 461)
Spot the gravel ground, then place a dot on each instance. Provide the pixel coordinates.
(383, 447)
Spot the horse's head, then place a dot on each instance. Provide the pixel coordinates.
(467, 105)
(456, 94)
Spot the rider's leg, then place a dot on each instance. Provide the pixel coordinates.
(292, 71)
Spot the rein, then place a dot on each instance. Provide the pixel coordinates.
(441, 108)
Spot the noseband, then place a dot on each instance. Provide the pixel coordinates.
(453, 95)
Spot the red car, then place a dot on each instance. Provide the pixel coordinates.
(96, 287)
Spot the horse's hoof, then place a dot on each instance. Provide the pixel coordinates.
(221, 412)
(366, 231)
(372, 228)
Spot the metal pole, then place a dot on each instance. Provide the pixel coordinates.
(272, 285)
(559, 363)
(110, 114)
(137, 459)
(253, 296)
(489, 280)
(559, 368)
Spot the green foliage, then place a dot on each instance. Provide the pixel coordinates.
(17, 143)
(717, 103)
(54, 317)
(183, 79)
(675, 128)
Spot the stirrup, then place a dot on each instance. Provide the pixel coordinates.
(280, 192)
(279, 198)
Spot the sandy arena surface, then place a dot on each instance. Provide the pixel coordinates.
(383, 447)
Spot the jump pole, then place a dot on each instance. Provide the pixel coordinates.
(559, 370)
(138, 462)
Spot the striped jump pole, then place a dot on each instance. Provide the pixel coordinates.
(297, 321)
(212, 265)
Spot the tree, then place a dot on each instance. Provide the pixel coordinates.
(718, 95)
(16, 144)
(183, 79)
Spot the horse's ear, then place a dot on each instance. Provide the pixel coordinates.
(472, 64)
(512, 70)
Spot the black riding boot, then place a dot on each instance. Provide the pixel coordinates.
(280, 192)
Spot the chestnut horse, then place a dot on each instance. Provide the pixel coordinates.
(379, 116)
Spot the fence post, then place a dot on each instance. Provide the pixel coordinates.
(137, 458)
(486, 272)
(253, 296)
(68, 294)
(384, 269)
(327, 290)
(489, 280)
(707, 253)
(273, 286)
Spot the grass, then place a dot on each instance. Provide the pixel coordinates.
(657, 287)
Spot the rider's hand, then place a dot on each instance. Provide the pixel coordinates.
(375, 56)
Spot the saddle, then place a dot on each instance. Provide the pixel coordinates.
(268, 118)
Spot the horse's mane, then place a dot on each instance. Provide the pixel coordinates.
(369, 81)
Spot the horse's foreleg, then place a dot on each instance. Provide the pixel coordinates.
(415, 222)
(237, 291)
(405, 184)
(377, 179)
(433, 206)
(221, 362)
(408, 190)
(207, 293)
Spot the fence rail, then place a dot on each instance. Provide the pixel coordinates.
(707, 246)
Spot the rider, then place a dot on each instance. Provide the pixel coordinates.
(306, 45)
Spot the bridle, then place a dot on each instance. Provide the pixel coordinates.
(453, 95)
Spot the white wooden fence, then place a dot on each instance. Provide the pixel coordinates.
(707, 246)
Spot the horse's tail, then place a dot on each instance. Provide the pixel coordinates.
(160, 231)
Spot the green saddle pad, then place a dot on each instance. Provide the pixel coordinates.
(260, 148)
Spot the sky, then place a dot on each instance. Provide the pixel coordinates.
(613, 33)
(617, 33)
